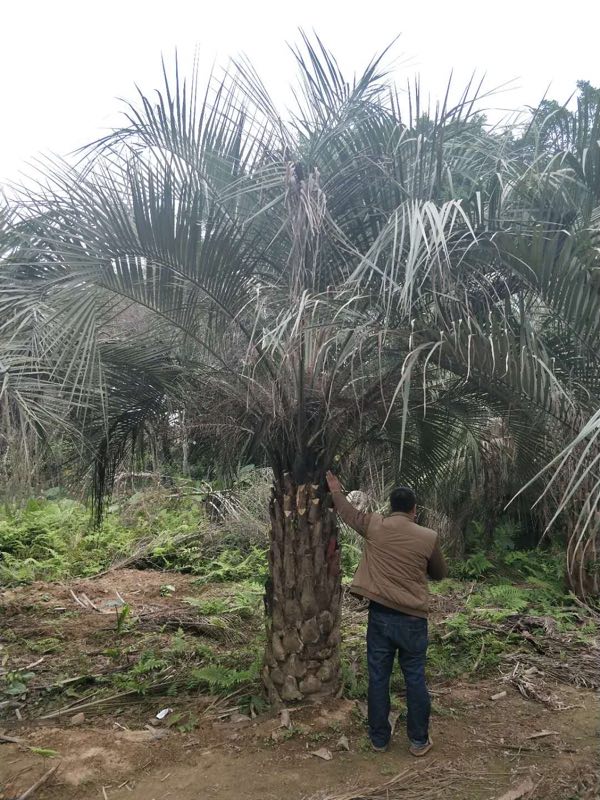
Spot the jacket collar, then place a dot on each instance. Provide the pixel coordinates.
(404, 514)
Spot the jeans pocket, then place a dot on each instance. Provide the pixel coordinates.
(417, 637)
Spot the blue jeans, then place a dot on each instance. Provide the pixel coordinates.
(390, 632)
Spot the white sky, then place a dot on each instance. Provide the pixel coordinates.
(63, 63)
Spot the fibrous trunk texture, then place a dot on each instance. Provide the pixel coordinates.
(303, 595)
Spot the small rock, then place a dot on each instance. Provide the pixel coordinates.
(363, 709)
(498, 696)
(138, 737)
(285, 721)
(343, 743)
(323, 753)
(78, 719)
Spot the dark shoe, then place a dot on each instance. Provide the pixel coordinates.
(421, 750)
(377, 749)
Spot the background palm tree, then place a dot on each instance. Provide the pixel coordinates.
(341, 278)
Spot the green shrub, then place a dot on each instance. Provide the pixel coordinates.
(54, 539)
(51, 539)
(474, 568)
(232, 566)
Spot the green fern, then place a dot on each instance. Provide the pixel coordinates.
(221, 679)
(476, 566)
(505, 596)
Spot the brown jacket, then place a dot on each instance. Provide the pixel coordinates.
(397, 558)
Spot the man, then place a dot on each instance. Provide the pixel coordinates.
(397, 560)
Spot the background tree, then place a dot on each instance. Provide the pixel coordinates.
(336, 279)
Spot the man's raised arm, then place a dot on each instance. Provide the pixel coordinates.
(359, 520)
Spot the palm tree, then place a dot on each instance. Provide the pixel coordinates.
(565, 153)
(333, 280)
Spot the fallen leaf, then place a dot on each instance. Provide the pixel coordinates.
(323, 753)
(519, 791)
(343, 743)
(539, 734)
(240, 719)
(498, 696)
(285, 720)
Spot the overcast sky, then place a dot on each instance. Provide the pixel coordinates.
(64, 63)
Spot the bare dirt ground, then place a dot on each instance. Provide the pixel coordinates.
(483, 747)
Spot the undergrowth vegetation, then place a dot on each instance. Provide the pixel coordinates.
(216, 647)
(49, 539)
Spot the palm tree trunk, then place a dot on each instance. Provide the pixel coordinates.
(185, 446)
(303, 595)
(583, 550)
(583, 547)
(583, 576)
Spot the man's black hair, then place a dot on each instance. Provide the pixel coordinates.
(402, 498)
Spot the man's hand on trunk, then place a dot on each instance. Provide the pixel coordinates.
(333, 482)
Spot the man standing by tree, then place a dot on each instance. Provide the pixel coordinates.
(397, 560)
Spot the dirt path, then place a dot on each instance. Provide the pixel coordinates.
(482, 748)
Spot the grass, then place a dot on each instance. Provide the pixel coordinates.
(50, 539)
(55, 540)
(458, 644)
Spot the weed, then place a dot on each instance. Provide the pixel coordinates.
(50, 644)
(211, 607)
(233, 566)
(463, 648)
(122, 615)
(45, 752)
(13, 683)
(354, 676)
(252, 704)
(184, 722)
(441, 711)
(143, 674)
(222, 680)
(475, 567)
(50, 539)
(243, 603)
(179, 646)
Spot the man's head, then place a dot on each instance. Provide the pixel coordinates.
(403, 499)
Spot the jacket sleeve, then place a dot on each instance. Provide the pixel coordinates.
(359, 520)
(437, 568)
